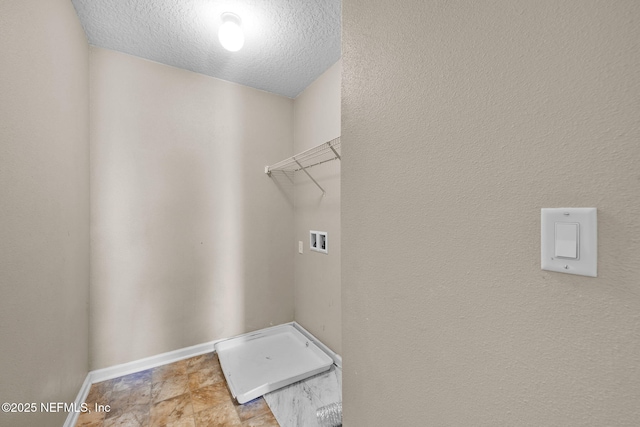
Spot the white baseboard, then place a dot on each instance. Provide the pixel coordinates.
(80, 398)
(116, 371)
(150, 362)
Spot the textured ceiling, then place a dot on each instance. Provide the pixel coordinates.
(288, 43)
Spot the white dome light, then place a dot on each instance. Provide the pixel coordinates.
(230, 33)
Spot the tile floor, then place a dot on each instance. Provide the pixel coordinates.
(187, 393)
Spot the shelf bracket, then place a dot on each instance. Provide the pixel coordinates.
(335, 152)
(310, 177)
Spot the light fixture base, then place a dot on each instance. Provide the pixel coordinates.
(231, 17)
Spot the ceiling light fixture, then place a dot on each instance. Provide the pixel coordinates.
(230, 33)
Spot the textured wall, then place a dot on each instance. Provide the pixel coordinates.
(44, 206)
(317, 276)
(191, 241)
(460, 121)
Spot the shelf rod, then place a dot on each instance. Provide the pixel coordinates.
(310, 177)
(316, 164)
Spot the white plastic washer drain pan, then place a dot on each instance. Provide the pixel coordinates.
(266, 360)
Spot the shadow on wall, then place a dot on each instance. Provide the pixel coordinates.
(285, 183)
(171, 249)
(195, 245)
(192, 241)
(267, 217)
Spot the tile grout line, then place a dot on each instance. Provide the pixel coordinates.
(107, 391)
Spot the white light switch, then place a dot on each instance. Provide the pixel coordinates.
(569, 240)
(300, 247)
(567, 235)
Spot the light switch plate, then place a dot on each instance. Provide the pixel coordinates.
(586, 263)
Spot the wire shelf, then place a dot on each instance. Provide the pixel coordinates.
(315, 156)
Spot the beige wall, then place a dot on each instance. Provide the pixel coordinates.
(317, 276)
(44, 206)
(191, 241)
(460, 121)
